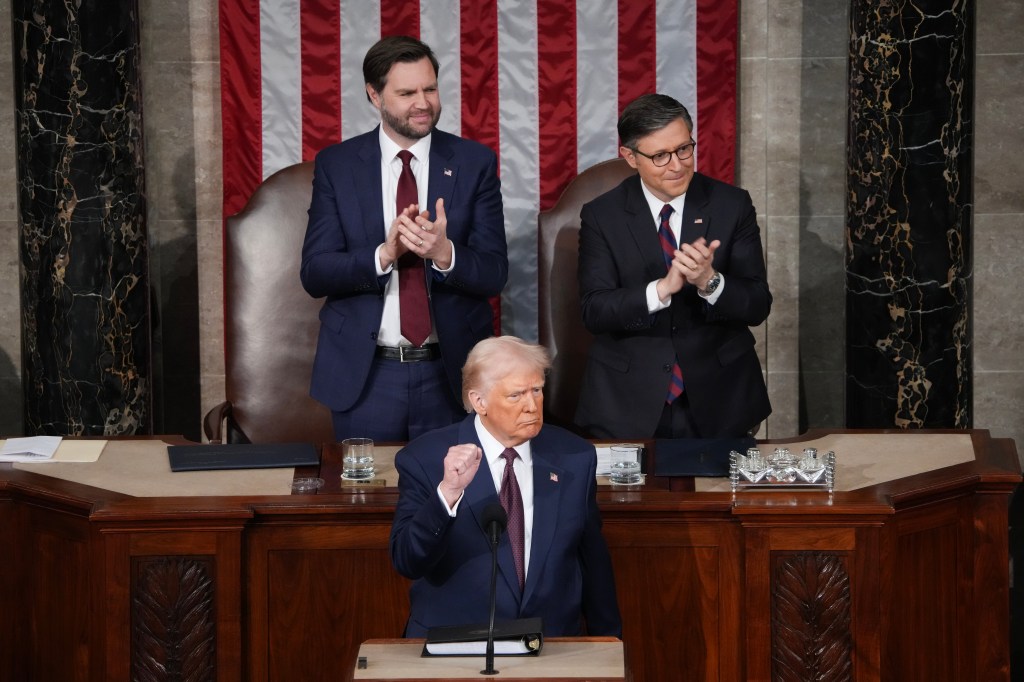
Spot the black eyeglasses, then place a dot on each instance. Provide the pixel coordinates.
(662, 158)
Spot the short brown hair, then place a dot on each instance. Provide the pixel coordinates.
(648, 114)
(389, 50)
(493, 358)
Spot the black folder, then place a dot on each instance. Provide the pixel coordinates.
(697, 456)
(241, 456)
(521, 637)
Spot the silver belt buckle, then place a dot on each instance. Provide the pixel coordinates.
(401, 353)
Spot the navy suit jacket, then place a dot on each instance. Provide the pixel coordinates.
(630, 360)
(346, 224)
(449, 559)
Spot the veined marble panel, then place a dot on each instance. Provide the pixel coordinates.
(85, 289)
(909, 214)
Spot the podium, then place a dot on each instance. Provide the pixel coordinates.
(563, 659)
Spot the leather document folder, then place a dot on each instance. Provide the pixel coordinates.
(696, 456)
(511, 638)
(241, 456)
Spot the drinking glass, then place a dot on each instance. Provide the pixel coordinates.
(357, 459)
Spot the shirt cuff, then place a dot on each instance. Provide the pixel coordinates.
(654, 304)
(451, 266)
(455, 507)
(376, 262)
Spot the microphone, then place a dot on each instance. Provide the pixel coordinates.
(494, 519)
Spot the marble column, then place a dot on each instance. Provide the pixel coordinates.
(908, 214)
(81, 201)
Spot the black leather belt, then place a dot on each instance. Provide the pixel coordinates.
(431, 351)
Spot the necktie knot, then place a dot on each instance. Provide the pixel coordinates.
(666, 212)
(406, 156)
(510, 455)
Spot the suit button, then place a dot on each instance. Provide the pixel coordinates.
(666, 368)
(373, 335)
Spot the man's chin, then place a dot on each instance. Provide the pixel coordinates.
(530, 430)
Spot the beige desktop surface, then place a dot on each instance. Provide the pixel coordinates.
(400, 659)
(140, 467)
(864, 459)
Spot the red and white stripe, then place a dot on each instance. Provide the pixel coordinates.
(541, 82)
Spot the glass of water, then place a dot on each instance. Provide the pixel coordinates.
(625, 465)
(357, 459)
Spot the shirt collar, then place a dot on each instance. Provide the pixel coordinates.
(657, 204)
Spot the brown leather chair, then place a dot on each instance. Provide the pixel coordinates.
(560, 325)
(270, 322)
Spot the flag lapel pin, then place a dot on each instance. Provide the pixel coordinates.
(448, 172)
(554, 477)
(698, 221)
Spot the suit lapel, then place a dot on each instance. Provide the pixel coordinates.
(696, 218)
(643, 230)
(547, 496)
(368, 191)
(443, 172)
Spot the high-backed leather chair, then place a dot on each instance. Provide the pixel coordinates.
(560, 325)
(270, 322)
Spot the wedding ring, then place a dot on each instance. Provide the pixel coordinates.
(421, 242)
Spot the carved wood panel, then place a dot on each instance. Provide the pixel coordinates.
(810, 612)
(172, 619)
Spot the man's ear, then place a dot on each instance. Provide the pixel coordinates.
(373, 95)
(627, 154)
(476, 399)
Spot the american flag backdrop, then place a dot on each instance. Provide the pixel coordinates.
(541, 82)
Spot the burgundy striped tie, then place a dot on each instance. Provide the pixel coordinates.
(668, 249)
(512, 500)
(412, 286)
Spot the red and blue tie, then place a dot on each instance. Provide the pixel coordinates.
(668, 249)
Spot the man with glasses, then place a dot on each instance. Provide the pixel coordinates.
(672, 275)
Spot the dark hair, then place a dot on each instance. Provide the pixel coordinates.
(386, 52)
(647, 114)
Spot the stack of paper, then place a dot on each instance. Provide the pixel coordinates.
(31, 449)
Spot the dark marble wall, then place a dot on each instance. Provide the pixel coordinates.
(909, 205)
(83, 248)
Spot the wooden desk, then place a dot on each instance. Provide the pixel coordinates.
(899, 580)
(561, 660)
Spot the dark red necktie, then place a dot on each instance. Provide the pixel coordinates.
(412, 285)
(512, 500)
(668, 249)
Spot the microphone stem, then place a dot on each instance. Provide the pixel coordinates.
(489, 669)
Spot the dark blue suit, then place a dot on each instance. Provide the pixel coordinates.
(570, 574)
(346, 224)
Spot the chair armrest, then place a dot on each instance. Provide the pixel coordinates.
(214, 419)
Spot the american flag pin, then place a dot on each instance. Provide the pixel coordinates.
(448, 172)
(698, 221)
(554, 477)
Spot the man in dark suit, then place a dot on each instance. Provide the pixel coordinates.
(672, 275)
(406, 240)
(552, 561)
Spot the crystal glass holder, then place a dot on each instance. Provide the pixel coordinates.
(782, 469)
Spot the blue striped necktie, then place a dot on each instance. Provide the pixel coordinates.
(668, 249)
